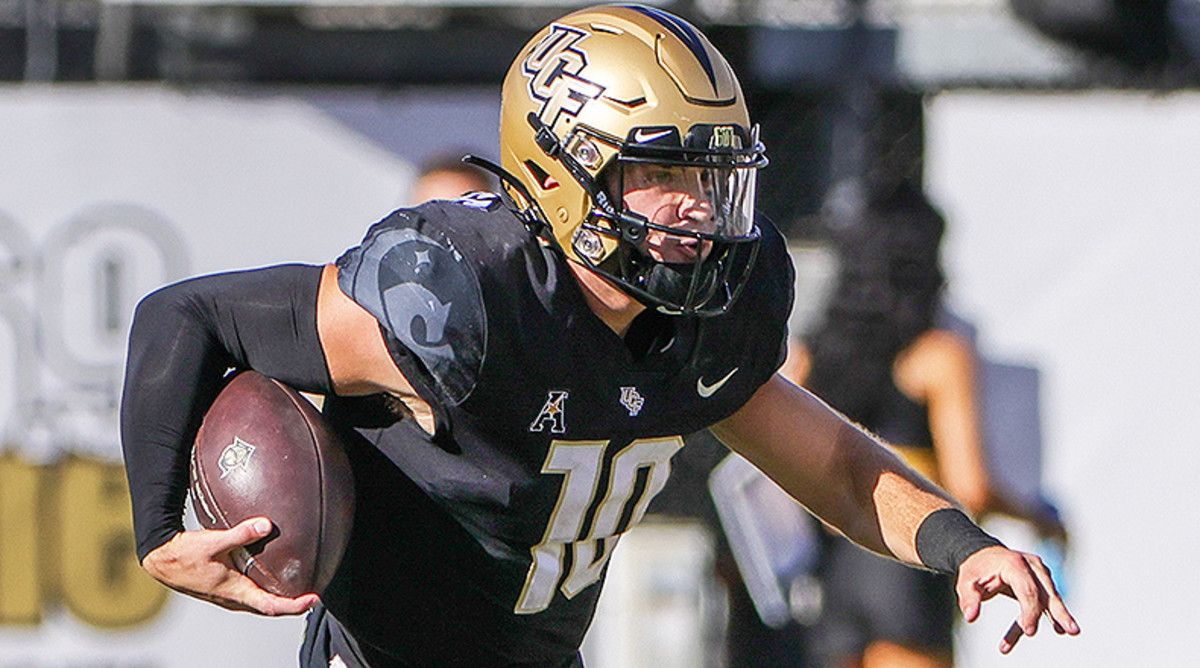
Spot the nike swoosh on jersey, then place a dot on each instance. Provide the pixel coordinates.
(641, 137)
(706, 391)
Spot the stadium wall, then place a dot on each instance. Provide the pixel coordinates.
(1072, 244)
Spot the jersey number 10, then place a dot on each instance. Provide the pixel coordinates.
(587, 549)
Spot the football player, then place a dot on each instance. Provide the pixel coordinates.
(447, 177)
(524, 367)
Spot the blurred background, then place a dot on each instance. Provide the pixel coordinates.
(142, 141)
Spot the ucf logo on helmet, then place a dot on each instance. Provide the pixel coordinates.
(553, 68)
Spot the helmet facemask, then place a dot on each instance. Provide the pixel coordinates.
(692, 253)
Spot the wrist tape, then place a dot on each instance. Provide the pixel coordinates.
(947, 537)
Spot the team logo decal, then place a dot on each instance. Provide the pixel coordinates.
(235, 456)
(554, 68)
(553, 413)
(425, 293)
(631, 400)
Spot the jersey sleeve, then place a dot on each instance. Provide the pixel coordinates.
(410, 274)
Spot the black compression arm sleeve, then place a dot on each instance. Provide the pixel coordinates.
(183, 339)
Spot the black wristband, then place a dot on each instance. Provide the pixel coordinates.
(947, 537)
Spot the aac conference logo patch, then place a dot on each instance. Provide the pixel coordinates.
(553, 414)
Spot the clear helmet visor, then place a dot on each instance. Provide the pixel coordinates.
(698, 232)
(688, 207)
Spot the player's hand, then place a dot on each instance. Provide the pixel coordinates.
(198, 563)
(1019, 575)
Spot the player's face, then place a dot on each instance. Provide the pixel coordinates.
(445, 185)
(673, 197)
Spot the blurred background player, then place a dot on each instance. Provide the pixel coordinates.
(881, 357)
(446, 176)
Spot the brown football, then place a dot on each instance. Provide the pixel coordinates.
(265, 450)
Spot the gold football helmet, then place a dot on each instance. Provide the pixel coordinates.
(610, 86)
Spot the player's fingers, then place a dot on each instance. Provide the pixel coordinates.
(279, 605)
(1056, 608)
(228, 604)
(1030, 597)
(242, 533)
(969, 598)
(1019, 581)
(1009, 641)
(248, 593)
(273, 606)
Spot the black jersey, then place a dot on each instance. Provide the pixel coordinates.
(483, 543)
